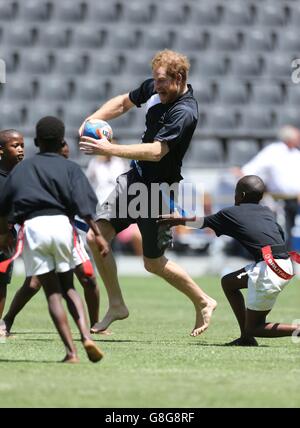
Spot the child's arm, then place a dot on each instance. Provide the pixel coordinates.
(99, 239)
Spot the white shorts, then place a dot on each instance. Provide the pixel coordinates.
(264, 285)
(48, 245)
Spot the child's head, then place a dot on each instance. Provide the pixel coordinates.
(11, 147)
(50, 133)
(249, 189)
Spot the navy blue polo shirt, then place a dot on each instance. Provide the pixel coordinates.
(253, 225)
(173, 124)
(47, 184)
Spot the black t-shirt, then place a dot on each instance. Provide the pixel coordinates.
(3, 177)
(47, 184)
(173, 124)
(253, 225)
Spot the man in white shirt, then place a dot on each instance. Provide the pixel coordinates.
(278, 165)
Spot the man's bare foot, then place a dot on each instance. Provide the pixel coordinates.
(93, 352)
(71, 359)
(243, 341)
(112, 315)
(203, 317)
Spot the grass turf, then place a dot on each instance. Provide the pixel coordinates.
(150, 360)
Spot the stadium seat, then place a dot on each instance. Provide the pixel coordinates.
(122, 86)
(156, 38)
(240, 152)
(73, 116)
(12, 115)
(233, 92)
(70, 62)
(225, 38)
(10, 57)
(8, 10)
(267, 93)
(121, 38)
(289, 40)
(259, 40)
(204, 91)
(36, 61)
(279, 65)
(137, 12)
(83, 37)
(288, 116)
(103, 12)
(54, 88)
(166, 13)
(246, 65)
(53, 35)
(35, 111)
(20, 35)
(34, 10)
(137, 64)
(293, 12)
(209, 65)
(190, 39)
(238, 13)
(221, 118)
(204, 153)
(293, 95)
(270, 14)
(255, 119)
(68, 11)
(91, 89)
(20, 87)
(105, 64)
(204, 13)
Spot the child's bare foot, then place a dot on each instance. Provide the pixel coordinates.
(243, 341)
(203, 317)
(115, 314)
(93, 352)
(103, 332)
(71, 359)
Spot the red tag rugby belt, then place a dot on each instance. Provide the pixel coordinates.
(271, 262)
(86, 263)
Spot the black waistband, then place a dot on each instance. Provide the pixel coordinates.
(44, 212)
(278, 251)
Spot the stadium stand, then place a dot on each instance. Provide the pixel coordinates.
(75, 54)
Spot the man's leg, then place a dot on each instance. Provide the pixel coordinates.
(76, 309)
(29, 289)
(52, 289)
(178, 278)
(91, 293)
(108, 270)
(257, 326)
(232, 284)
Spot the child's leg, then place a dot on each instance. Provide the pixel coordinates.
(52, 289)
(91, 293)
(76, 309)
(3, 292)
(29, 288)
(256, 325)
(232, 284)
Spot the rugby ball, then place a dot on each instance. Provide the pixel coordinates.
(97, 128)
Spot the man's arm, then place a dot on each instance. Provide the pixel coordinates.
(153, 152)
(113, 108)
(174, 220)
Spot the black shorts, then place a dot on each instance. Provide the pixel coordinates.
(116, 209)
(5, 278)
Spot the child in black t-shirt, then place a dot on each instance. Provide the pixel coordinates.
(43, 192)
(254, 226)
(11, 153)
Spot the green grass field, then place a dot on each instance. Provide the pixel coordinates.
(150, 360)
